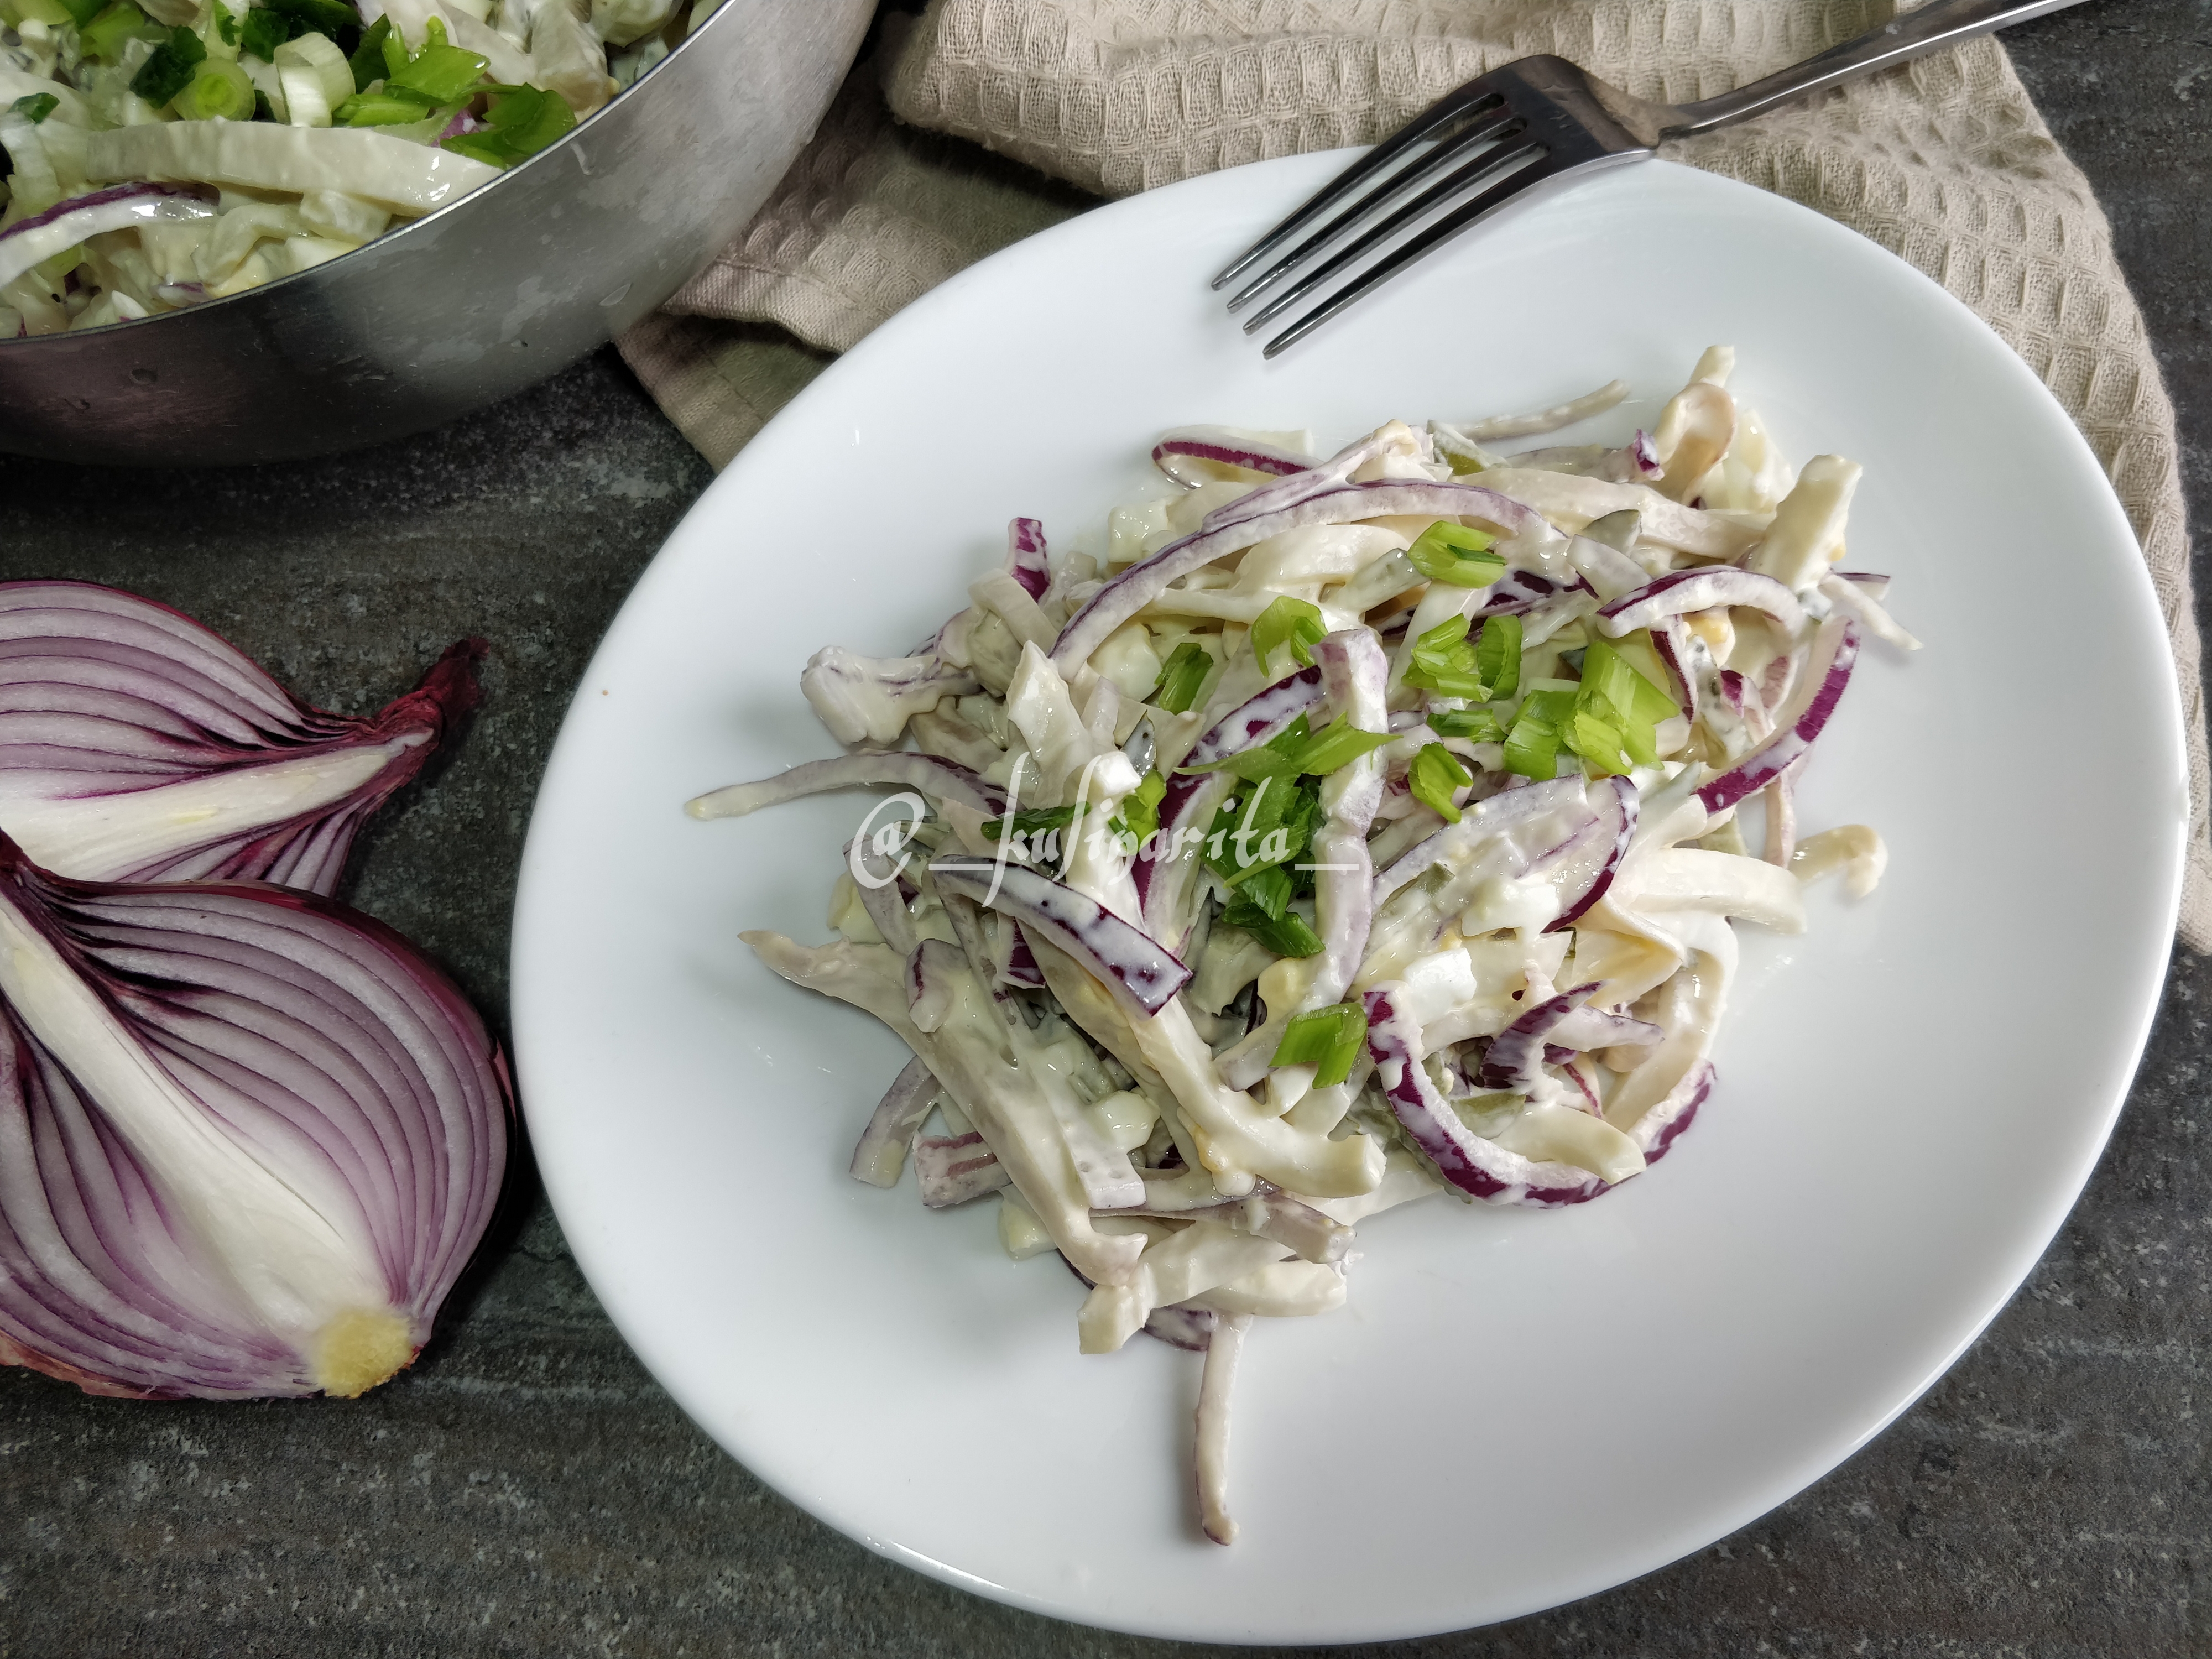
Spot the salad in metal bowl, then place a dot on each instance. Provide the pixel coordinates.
(155, 153)
(1361, 829)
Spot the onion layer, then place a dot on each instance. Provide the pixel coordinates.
(137, 745)
(248, 1138)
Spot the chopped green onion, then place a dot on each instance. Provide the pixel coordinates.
(226, 23)
(1140, 808)
(262, 32)
(395, 54)
(1327, 1039)
(37, 107)
(1447, 552)
(1337, 745)
(1289, 620)
(1257, 843)
(1443, 662)
(1437, 772)
(366, 63)
(523, 121)
(1531, 747)
(1598, 739)
(1611, 675)
(1287, 935)
(1182, 678)
(1268, 886)
(1277, 758)
(433, 31)
(1498, 655)
(1475, 724)
(444, 75)
(169, 70)
(381, 109)
(115, 28)
(319, 17)
(217, 92)
(81, 12)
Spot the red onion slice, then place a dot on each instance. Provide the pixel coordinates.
(1144, 975)
(939, 779)
(248, 1138)
(1177, 450)
(1025, 557)
(1478, 1167)
(1615, 801)
(1680, 591)
(39, 237)
(954, 1169)
(880, 1155)
(1516, 1057)
(1345, 503)
(137, 745)
(1827, 671)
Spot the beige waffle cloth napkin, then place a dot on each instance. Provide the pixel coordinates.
(1944, 162)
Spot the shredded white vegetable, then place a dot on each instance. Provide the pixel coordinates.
(251, 116)
(1415, 869)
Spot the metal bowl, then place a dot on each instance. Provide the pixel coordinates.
(484, 297)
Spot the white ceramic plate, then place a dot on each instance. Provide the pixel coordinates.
(1517, 1407)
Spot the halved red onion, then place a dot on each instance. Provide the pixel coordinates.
(880, 1155)
(248, 1138)
(1480, 1168)
(1177, 450)
(938, 778)
(137, 745)
(1680, 591)
(39, 236)
(1827, 671)
(1345, 503)
(1025, 557)
(1143, 974)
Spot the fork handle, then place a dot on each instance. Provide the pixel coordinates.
(1940, 23)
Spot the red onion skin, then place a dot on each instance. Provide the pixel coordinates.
(101, 913)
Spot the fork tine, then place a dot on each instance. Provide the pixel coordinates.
(1466, 216)
(1511, 161)
(1449, 108)
(1495, 128)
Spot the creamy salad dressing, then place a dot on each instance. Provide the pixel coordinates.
(1272, 877)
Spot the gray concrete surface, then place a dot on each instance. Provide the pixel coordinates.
(526, 1490)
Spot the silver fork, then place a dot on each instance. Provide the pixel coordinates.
(1523, 130)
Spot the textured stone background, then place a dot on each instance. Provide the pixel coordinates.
(527, 1490)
